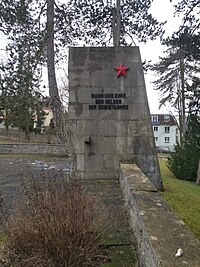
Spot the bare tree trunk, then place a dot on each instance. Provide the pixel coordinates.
(179, 110)
(116, 24)
(182, 74)
(53, 89)
(27, 133)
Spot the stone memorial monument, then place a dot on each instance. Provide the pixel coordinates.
(109, 115)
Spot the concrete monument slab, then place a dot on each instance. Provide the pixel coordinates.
(109, 106)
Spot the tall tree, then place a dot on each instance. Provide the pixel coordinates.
(21, 74)
(17, 93)
(27, 36)
(190, 10)
(53, 88)
(189, 30)
(88, 21)
(100, 20)
(184, 161)
(194, 104)
(176, 72)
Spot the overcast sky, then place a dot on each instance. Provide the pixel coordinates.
(162, 10)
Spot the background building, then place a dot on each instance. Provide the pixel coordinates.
(165, 131)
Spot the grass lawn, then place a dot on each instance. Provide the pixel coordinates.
(183, 197)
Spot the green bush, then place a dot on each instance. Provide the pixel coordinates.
(184, 161)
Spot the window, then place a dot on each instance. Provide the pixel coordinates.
(176, 130)
(154, 118)
(166, 118)
(166, 139)
(167, 129)
(156, 139)
(155, 128)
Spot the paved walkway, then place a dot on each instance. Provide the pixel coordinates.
(13, 168)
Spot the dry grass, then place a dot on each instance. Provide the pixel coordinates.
(55, 223)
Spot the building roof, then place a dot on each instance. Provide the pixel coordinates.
(163, 119)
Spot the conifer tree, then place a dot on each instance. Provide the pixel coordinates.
(21, 74)
(175, 74)
(184, 161)
(101, 20)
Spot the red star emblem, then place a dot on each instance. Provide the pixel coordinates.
(121, 70)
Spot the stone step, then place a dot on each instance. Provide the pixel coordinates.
(117, 237)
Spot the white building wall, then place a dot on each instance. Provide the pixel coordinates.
(165, 131)
(165, 140)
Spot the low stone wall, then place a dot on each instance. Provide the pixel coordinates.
(16, 136)
(33, 149)
(158, 231)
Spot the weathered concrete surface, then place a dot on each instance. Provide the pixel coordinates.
(33, 149)
(118, 239)
(109, 115)
(159, 232)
